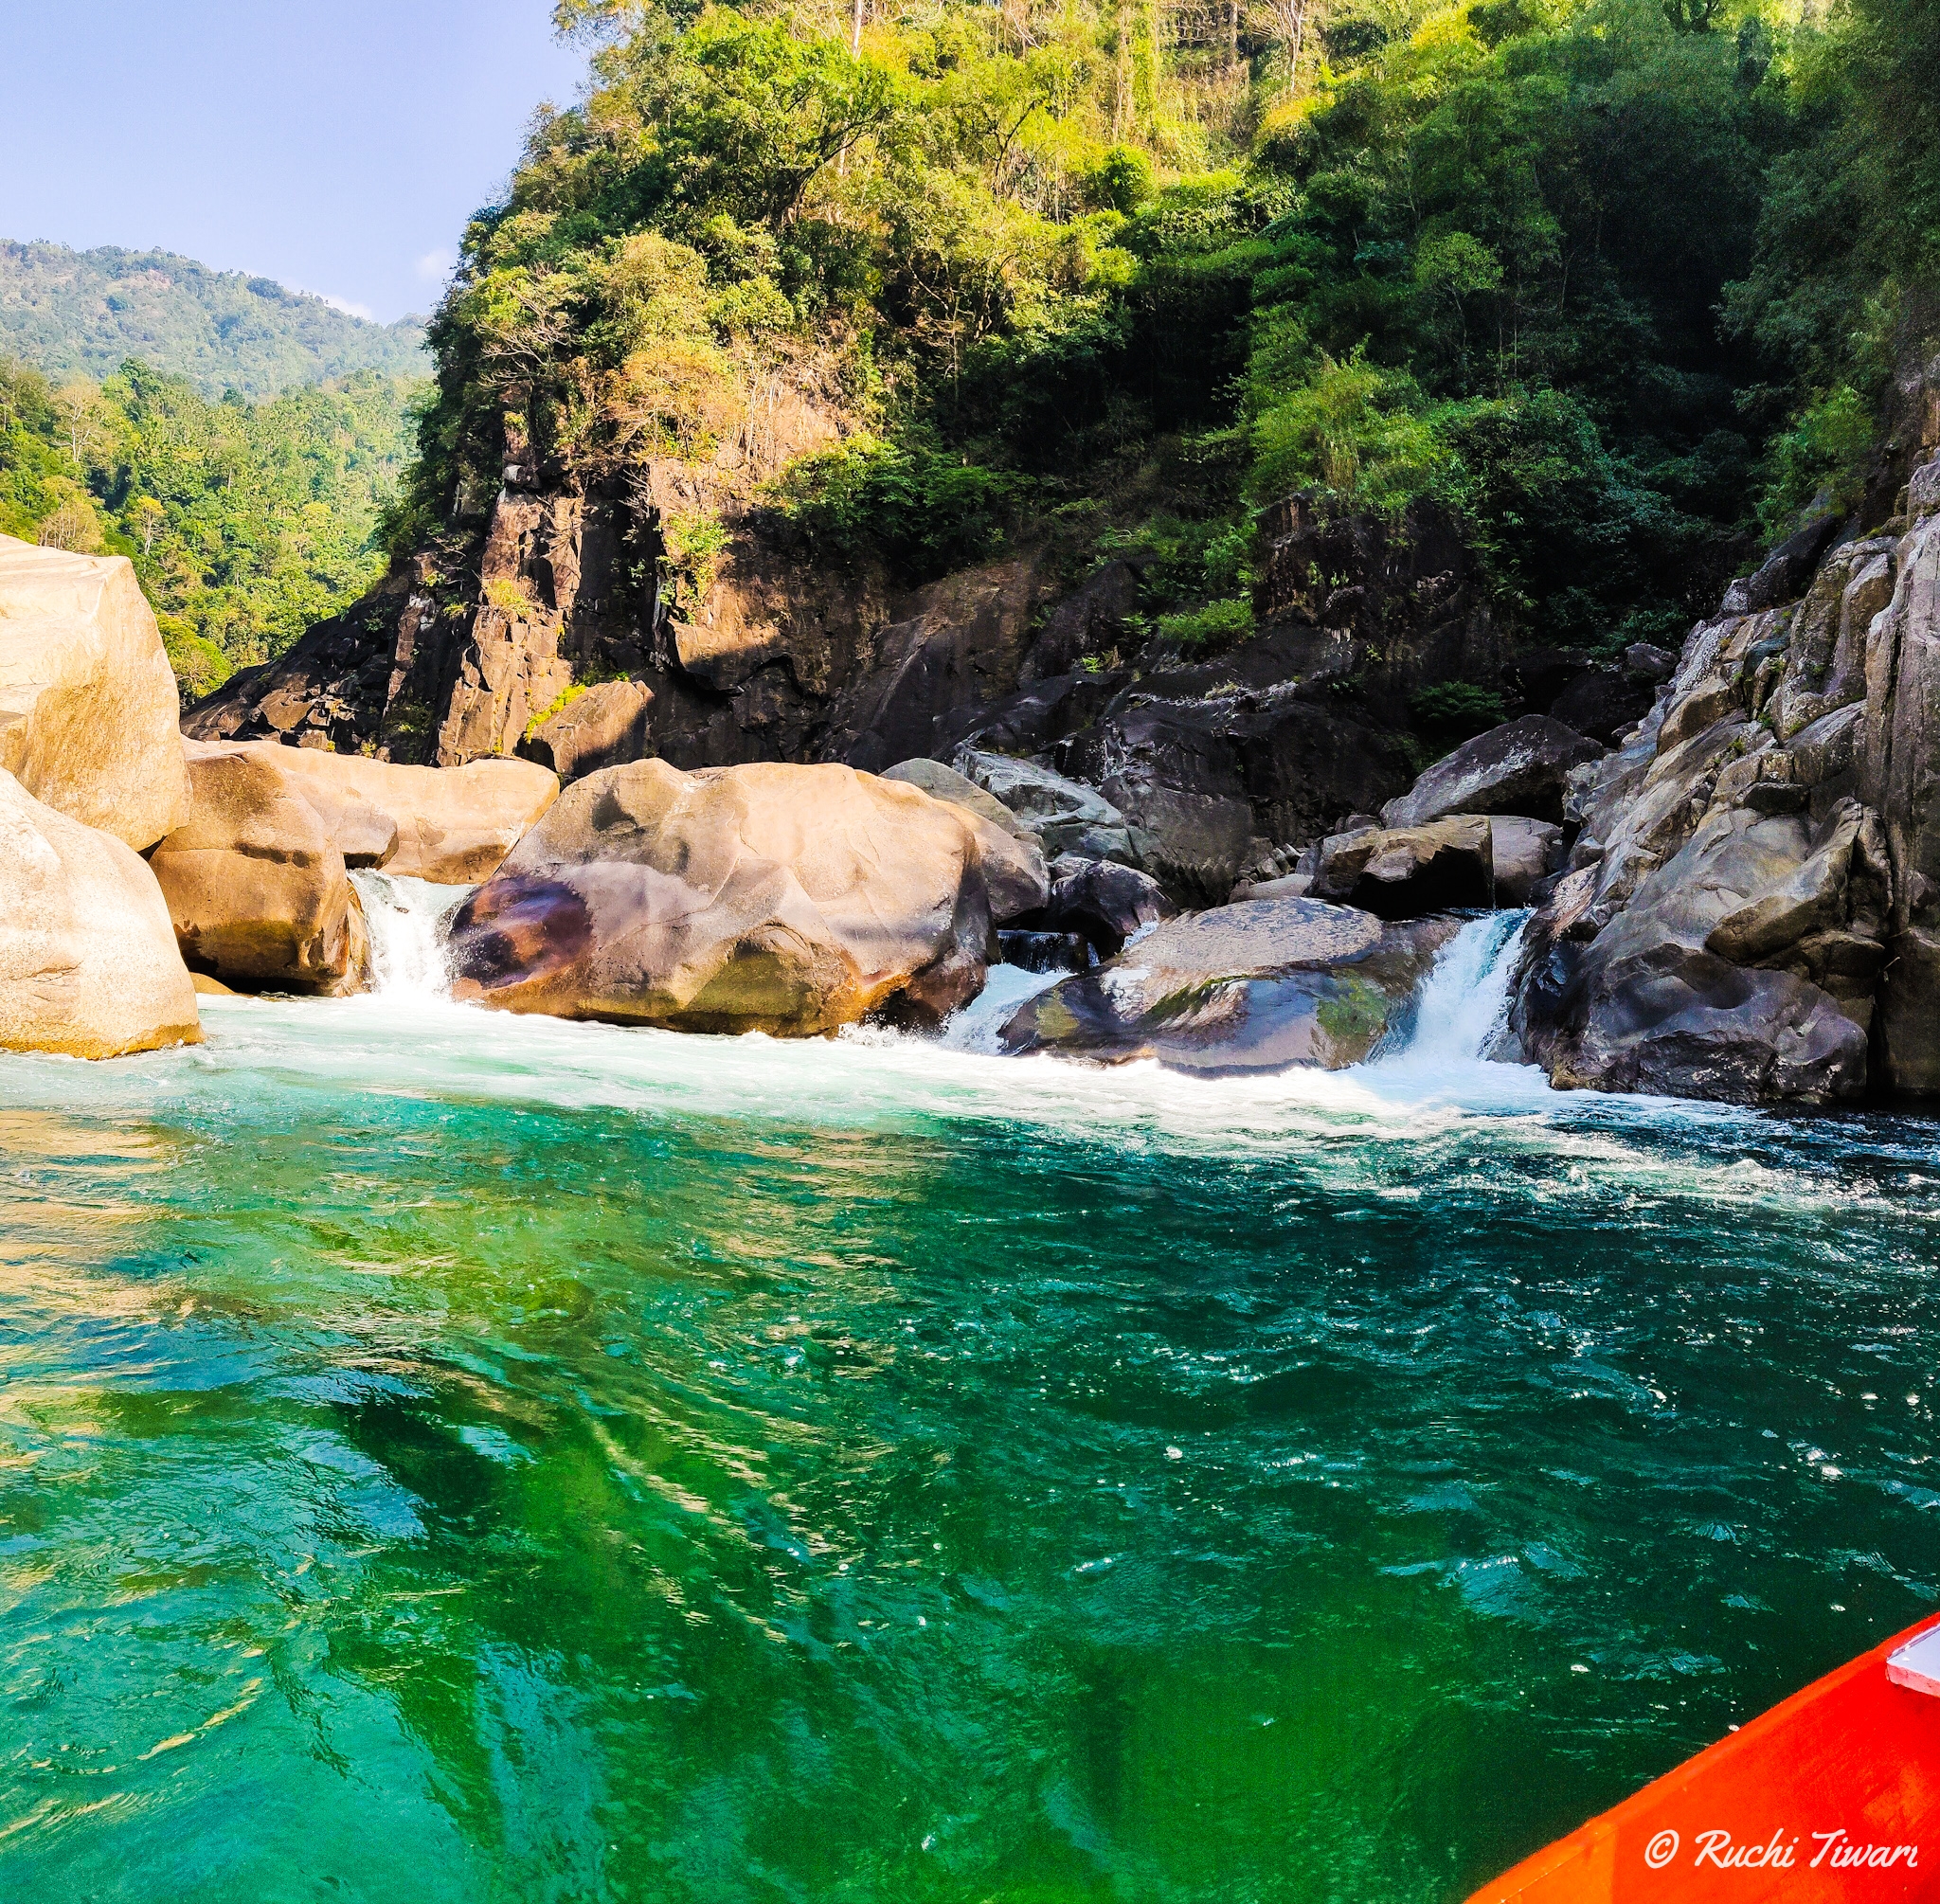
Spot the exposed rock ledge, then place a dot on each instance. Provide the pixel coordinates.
(1752, 905)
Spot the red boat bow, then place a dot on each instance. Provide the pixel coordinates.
(1831, 1796)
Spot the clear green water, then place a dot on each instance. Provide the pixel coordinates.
(445, 1457)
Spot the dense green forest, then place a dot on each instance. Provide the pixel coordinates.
(80, 314)
(1611, 278)
(245, 523)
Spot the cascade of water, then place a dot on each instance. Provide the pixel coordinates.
(406, 919)
(1465, 999)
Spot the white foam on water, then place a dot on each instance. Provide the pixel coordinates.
(1460, 1018)
(1464, 1000)
(977, 1026)
(406, 918)
(1380, 1124)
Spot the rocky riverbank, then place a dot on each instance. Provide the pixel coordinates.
(1735, 899)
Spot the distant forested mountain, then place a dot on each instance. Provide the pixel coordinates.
(82, 313)
(245, 522)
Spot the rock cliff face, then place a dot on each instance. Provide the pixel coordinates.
(1752, 905)
(571, 649)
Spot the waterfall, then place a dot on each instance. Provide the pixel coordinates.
(406, 919)
(1464, 1000)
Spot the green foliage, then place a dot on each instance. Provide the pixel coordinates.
(1353, 429)
(920, 511)
(1453, 711)
(1214, 625)
(79, 314)
(1820, 453)
(1019, 262)
(244, 524)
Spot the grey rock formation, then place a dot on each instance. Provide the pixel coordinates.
(1069, 816)
(1407, 873)
(1899, 749)
(1520, 767)
(947, 783)
(1255, 987)
(1753, 905)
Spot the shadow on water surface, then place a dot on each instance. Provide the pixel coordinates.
(587, 1463)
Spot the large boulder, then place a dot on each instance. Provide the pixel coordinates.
(602, 726)
(1520, 767)
(88, 964)
(1253, 986)
(255, 884)
(88, 703)
(454, 824)
(1524, 852)
(783, 898)
(1103, 904)
(1740, 969)
(1405, 873)
(1068, 816)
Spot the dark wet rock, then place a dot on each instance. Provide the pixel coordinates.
(958, 645)
(1407, 873)
(1603, 703)
(1038, 951)
(1204, 778)
(1646, 661)
(1520, 767)
(1089, 624)
(1785, 573)
(1104, 903)
(1035, 718)
(1255, 987)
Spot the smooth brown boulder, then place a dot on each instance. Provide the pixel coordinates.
(1258, 985)
(88, 703)
(454, 825)
(1408, 872)
(783, 898)
(88, 964)
(602, 726)
(255, 886)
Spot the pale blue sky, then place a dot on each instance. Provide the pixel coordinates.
(335, 145)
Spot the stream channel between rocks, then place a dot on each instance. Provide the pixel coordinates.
(452, 1456)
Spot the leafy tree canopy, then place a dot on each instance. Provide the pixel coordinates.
(245, 523)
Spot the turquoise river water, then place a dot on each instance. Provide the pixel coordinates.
(452, 1457)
